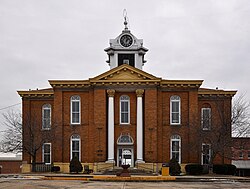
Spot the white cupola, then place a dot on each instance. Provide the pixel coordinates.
(126, 49)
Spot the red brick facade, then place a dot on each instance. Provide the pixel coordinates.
(241, 149)
(10, 167)
(93, 130)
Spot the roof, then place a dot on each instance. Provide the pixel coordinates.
(206, 92)
(126, 75)
(10, 157)
(47, 92)
(241, 164)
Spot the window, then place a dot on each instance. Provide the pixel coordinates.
(206, 118)
(75, 147)
(129, 57)
(47, 153)
(241, 155)
(126, 61)
(46, 116)
(175, 107)
(75, 110)
(124, 109)
(175, 146)
(125, 139)
(205, 154)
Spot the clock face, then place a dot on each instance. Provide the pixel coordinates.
(126, 40)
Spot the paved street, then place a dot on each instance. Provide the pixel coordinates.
(7, 183)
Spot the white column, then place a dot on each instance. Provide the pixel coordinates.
(139, 130)
(111, 127)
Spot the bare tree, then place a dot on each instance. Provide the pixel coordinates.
(219, 136)
(12, 135)
(25, 135)
(240, 117)
(211, 142)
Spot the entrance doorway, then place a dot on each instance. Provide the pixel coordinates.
(125, 150)
(125, 156)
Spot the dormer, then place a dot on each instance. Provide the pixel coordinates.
(126, 49)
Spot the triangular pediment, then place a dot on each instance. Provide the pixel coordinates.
(124, 72)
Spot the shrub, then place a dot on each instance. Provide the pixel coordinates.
(219, 169)
(231, 169)
(224, 169)
(55, 169)
(205, 169)
(194, 169)
(75, 165)
(174, 167)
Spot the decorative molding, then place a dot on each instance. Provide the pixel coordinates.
(124, 72)
(216, 93)
(111, 92)
(36, 94)
(181, 83)
(69, 83)
(139, 92)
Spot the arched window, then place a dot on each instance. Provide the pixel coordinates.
(75, 110)
(75, 147)
(175, 110)
(175, 148)
(206, 117)
(46, 116)
(125, 139)
(124, 109)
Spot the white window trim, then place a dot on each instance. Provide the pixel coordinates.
(203, 144)
(128, 110)
(71, 117)
(46, 106)
(75, 139)
(173, 100)
(179, 140)
(49, 152)
(210, 119)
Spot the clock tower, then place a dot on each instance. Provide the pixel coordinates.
(126, 49)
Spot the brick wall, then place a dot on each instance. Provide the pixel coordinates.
(10, 167)
(93, 127)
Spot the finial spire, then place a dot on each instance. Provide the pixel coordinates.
(125, 19)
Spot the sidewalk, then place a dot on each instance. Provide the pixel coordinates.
(133, 178)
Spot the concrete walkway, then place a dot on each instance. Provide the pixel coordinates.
(141, 178)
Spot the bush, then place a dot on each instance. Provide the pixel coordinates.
(55, 169)
(231, 169)
(219, 169)
(194, 169)
(75, 165)
(205, 169)
(224, 169)
(174, 167)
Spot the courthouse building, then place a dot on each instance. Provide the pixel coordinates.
(122, 116)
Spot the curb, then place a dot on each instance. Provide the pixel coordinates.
(112, 178)
(115, 178)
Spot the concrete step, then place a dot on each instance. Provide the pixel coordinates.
(132, 171)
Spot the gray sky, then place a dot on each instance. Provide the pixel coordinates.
(64, 39)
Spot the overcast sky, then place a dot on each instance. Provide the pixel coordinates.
(65, 39)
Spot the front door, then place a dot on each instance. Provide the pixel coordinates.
(125, 156)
